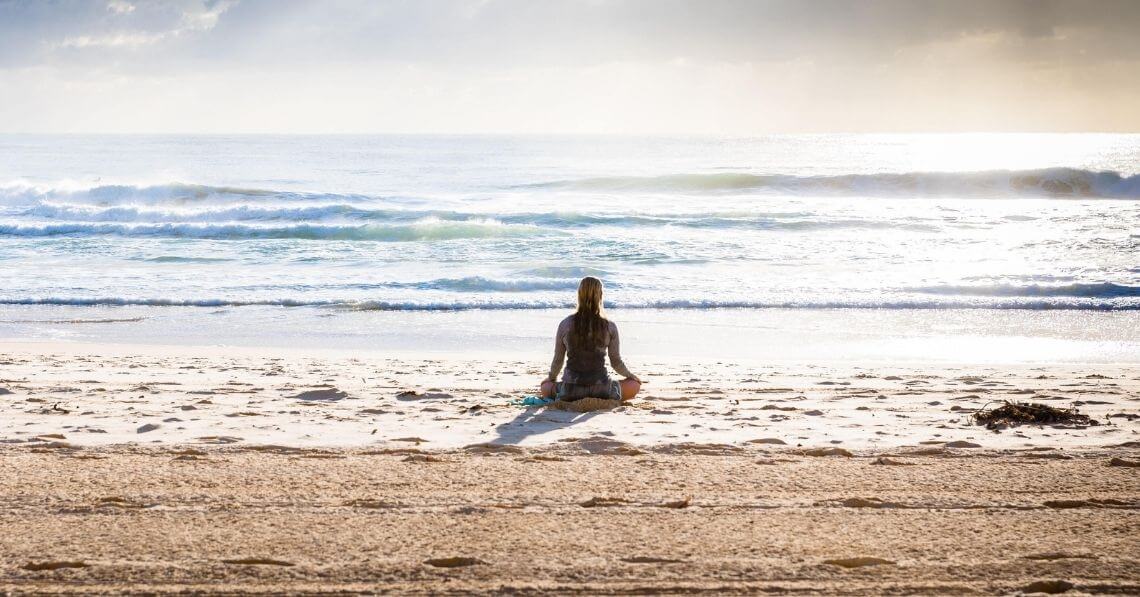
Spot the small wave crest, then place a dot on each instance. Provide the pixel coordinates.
(564, 271)
(423, 230)
(144, 194)
(1046, 182)
(347, 213)
(227, 213)
(1023, 303)
(1043, 182)
(482, 284)
(182, 259)
(1100, 290)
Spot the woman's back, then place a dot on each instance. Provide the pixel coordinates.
(586, 362)
(582, 342)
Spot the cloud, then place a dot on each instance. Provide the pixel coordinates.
(38, 33)
(120, 7)
(203, 17)
(113, 40)
(571, 65)
(269, 32)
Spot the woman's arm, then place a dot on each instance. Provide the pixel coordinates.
(559, 349)
(615, 353)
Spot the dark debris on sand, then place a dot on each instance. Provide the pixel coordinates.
(1010, 414)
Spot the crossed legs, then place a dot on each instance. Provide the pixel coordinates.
(629, 388)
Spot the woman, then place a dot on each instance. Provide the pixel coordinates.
(582, 341)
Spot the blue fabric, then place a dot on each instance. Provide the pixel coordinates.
(532, 401)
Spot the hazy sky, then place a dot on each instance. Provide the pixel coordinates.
(589, 66)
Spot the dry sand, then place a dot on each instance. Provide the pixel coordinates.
(109, 395)
(131, 469)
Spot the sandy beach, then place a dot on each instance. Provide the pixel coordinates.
(97, 395)
(280, 283)
(135, 468)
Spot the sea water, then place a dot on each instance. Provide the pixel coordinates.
(127, 230)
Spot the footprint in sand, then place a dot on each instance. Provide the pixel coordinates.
(39, 566)
(825, 452)
(324, 395)
(257, 562)
(602, 502)
(649, 560)
(414, 395)
(492, 449)
(883, 460)
(219, 439)
(422, 458)
(1048, 557)
(872, 502)
(1091, 503)
(370, 504)
(119, 502)
(458, 562)
(857, 562)
(1047, 586)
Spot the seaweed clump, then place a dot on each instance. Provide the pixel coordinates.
(1010, 414)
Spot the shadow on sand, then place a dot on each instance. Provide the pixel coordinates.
(536, 421)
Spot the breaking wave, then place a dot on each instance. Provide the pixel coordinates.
(92, 220)
(1047, 182)
(1024, 303)
(1103, 290)
(428, 229)
(171, 193)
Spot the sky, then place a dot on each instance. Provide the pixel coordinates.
(738, 67)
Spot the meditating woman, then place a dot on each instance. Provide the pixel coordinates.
(582, 341)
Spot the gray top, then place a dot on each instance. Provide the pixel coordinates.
(611, 343)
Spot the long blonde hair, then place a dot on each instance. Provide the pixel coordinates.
(590, 324)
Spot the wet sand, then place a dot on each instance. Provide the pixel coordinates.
(236, 471)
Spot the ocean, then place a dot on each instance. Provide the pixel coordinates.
(132, 230)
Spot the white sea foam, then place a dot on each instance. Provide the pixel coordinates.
(317, 214)
(461, 304)
(1045, 182)
(1048, 182)
(426, 229)
(536, 293)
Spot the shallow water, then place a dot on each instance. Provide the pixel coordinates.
(755, 336)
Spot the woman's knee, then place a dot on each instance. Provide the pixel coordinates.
(629, 388)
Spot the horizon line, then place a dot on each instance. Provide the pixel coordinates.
(546, 133)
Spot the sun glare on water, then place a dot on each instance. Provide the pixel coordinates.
(977, 152)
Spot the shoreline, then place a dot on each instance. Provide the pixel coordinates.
(797, 336)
